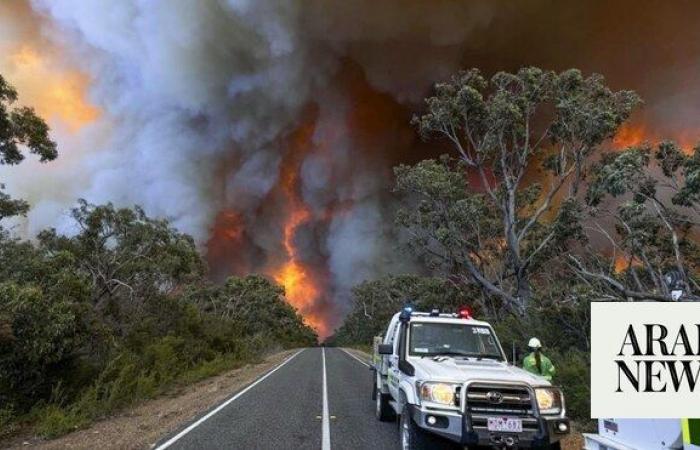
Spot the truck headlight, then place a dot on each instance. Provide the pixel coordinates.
(549, 400)
(441, 393)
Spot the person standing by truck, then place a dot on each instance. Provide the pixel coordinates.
(536, 362)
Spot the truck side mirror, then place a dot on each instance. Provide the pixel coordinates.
(385, 349)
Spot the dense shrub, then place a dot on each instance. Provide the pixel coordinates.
(374, 302)
(44, 334)
(255, 304)
(573, 375)
(120, 312)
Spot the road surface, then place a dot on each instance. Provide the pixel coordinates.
(317, 399)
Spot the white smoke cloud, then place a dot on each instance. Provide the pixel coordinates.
(197, 96)
(184, 85)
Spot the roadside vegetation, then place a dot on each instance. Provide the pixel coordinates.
(531, 216)
(118, 310)
(118, 313)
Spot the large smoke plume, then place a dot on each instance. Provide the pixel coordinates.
(267, 129)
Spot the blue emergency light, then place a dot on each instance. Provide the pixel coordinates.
(406, 312)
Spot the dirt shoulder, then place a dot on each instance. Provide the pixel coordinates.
(572, 442)
(140, 427)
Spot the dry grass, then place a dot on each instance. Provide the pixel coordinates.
(141, 426)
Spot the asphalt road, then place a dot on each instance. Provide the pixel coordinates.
(287, 409)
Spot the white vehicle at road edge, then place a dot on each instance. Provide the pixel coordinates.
(445, 377)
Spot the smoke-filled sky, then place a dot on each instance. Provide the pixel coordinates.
(268, 129)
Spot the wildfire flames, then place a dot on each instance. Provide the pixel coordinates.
(229, 251)
(636, 133)
(632, 134)
(317, 229)
(299, 285)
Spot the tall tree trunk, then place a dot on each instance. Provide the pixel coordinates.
(523, 291)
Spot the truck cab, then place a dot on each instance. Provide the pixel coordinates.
(446, 378)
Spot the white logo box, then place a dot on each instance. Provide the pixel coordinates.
(614, 391)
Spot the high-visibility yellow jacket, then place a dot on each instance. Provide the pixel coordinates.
(691, 433)
(530, 364)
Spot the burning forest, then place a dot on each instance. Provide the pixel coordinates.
(268, 131)
(196, 193)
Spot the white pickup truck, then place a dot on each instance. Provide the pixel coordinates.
(447, 379)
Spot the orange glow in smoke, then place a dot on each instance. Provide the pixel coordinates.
(633, 134)
(229, 227)
(623, 262)
(56, 93)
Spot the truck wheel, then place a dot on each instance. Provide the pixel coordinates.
(383, 409)
(411, 436)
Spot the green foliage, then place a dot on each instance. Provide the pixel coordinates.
(256, 305)
(458, 231)
(504, 217)
(442, 213)
(559, 315)
(44, 333)
(651, 196)
(574, 376)
(672, 160)
(120, 312)
(125, 255)
(617, 174)
(7, 423)
(10, 206)
(502, 129)
(53, 421)
(376, 301)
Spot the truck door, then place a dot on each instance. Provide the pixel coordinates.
(394, 373)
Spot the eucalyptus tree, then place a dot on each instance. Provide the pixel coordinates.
(644, 212)
(522, 143)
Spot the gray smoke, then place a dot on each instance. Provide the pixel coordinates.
(198, 100)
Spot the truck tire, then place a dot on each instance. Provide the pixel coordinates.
(383, 409)
(555, 446)
(411, 436)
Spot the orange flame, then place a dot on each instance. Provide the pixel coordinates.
(301, 288)
(633, 134)
(630, 135)
(623, 262)
(298, 284)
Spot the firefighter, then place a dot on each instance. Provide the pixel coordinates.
(536, 362)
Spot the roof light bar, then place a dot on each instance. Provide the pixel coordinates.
(406, 312)
(464, 312)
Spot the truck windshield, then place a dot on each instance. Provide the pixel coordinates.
(452, 339)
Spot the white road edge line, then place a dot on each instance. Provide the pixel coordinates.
(177, 437)
(326, 427)
(355, 357)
